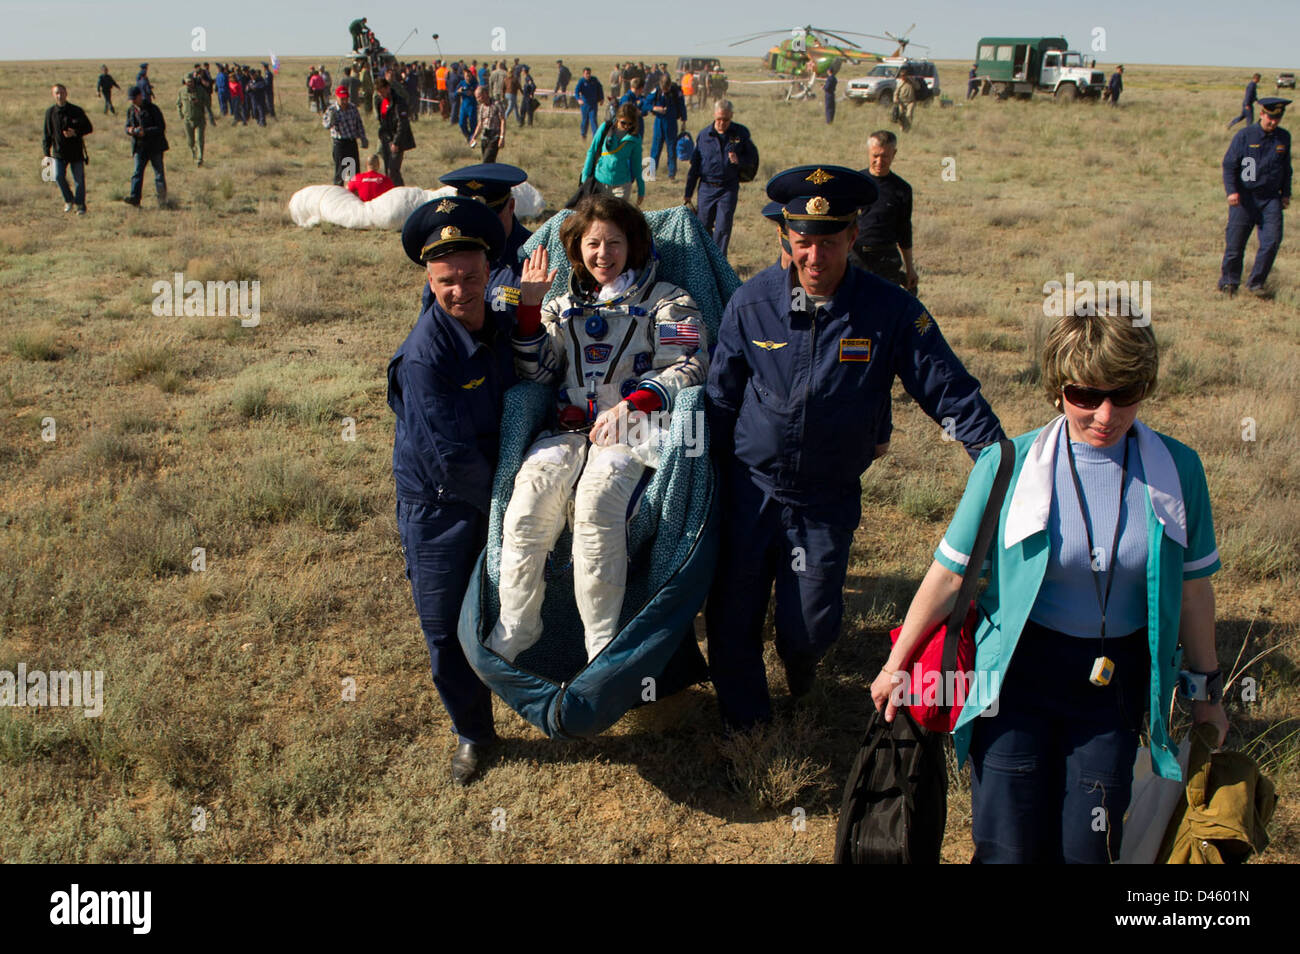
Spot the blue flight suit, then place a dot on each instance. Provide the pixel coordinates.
(447, 389)
(590, 94)
(796, 406)
(719, 178)
(223, 91)
(1247, 106)
(828, 85)
(257, 98)
(468, 109)
(1267, 158)
(665, 127)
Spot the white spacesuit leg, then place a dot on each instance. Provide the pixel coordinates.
(600, 540)
(536, 515)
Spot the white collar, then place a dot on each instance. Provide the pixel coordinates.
(615, 288)
(1031, 502)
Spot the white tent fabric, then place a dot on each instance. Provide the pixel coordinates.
(312, 205)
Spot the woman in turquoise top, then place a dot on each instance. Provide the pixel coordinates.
(618, 164)
(1103, 552)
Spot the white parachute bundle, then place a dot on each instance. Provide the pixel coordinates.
(312, 205)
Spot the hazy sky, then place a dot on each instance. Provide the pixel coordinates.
(1264, 35)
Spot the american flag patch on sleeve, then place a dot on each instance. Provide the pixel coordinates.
(679, 333)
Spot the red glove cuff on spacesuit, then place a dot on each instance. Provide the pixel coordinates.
(528, 319)
(645, 400)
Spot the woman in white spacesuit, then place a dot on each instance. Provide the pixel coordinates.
(620, 346)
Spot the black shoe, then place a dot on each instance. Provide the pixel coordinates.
(131, 200)
(1259, 291)
(1229, 290)
(466, 761)
(800, 677)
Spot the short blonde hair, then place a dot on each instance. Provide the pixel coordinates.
(1096, 350)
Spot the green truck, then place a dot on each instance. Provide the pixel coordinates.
(1023, 65)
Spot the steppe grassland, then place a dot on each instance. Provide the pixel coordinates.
(223, 688)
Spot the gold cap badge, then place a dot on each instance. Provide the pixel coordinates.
(819, 176)
(450, 232)
(446, 205)
(473, 185)
(817, 205)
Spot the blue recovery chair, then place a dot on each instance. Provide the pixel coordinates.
(672, 539)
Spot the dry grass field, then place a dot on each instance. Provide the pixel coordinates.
(225, 734)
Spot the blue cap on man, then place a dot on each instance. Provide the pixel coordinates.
(488, 182)
(452, 224)
(820, 200)
(1274, 105)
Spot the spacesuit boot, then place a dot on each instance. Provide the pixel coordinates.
(534, 519)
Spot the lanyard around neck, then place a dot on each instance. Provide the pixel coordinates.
(1103, 599)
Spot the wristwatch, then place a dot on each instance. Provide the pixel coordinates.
(1201, 686)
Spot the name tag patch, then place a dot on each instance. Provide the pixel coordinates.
(597, 353)
(855, 349)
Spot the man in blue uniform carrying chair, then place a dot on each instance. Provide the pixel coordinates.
(446, 384)
(1257, 179)
(798, 399)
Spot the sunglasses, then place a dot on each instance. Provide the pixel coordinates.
(1089, 399)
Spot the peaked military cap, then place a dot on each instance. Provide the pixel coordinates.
(488, 182)
(820, 200)
(452, 223)
(775, 212)
(1274, 105)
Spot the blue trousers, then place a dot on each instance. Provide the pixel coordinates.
(665, 134)
(440, 544)
(258, 109)
(804, 550)
(223, 99)
(589, 115)
(1052, 772)
(830, 110)
(468, 117)
(159, 176)
(717, 209)
(1246, 115)
(61, 167)
(1253, 212)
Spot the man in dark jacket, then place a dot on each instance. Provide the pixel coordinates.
(1248, 102)
(147, 129)
(395, 136)
(1116, 85)
(142, 81)
(65, 124)
(720, 151)
(105, 88)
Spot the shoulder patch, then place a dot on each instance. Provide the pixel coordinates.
(923, 322)
(770, 345)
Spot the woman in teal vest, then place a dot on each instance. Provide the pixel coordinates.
(615, 156)
(1099, 604)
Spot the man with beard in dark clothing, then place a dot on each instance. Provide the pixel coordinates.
(65, 125)
(885, 227)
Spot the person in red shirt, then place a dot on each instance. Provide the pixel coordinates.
(371, 183)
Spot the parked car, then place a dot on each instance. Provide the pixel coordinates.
(878, 85)
(1286, 81)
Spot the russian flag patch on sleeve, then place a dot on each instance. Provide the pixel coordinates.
(855, 349)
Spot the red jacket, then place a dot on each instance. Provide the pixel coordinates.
(367, 185)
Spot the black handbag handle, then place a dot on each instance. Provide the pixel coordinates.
(970, 579)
